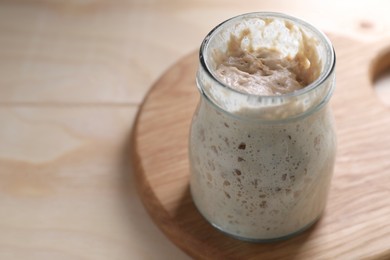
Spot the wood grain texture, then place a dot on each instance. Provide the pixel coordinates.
(72, 76)
(356, 222)
(103, 52)
(67, 189)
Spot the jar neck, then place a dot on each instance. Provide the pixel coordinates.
(273, 108)
(264, 108)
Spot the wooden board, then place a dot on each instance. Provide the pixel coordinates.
(356, 223)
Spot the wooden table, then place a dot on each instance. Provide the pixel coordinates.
(72, 76)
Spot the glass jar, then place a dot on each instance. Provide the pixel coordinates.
(261, 166)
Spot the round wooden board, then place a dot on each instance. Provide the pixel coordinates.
(356, 223)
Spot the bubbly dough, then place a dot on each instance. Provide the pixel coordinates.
(265, 71)
(261, 181)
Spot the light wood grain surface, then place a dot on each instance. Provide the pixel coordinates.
(72, 76)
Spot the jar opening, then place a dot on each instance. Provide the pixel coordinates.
(273, 31)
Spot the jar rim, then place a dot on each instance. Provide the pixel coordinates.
(329, 67)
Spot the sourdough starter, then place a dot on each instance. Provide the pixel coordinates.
(261, 181)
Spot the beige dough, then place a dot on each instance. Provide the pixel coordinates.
(266, 71)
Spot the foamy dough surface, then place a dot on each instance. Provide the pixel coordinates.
(266, 71)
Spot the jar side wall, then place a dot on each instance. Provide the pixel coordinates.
(260, 182)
